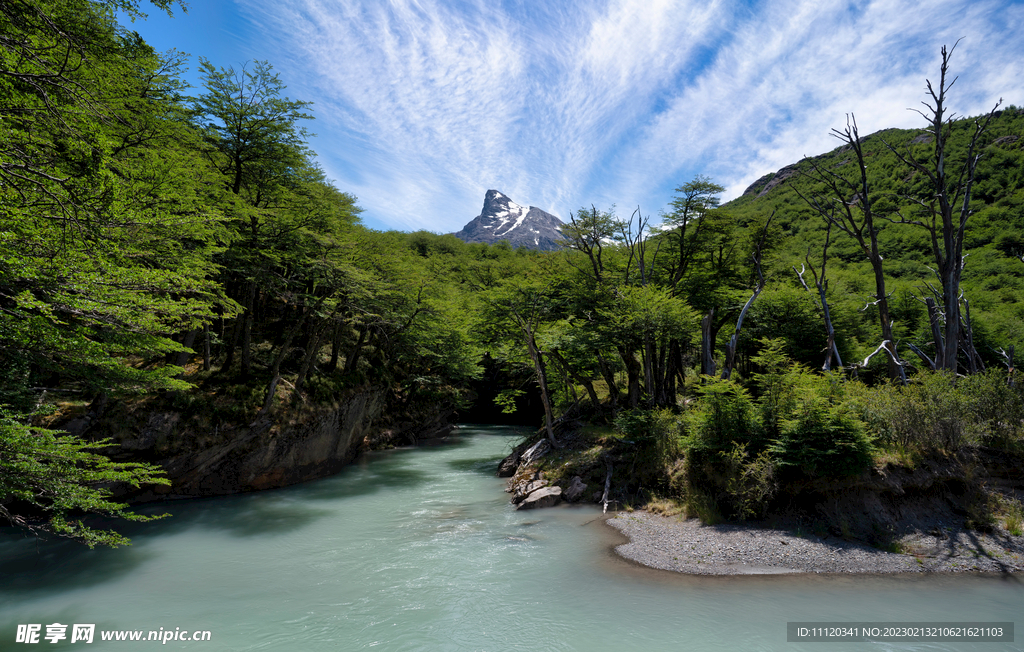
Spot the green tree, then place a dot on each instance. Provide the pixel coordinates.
(254, 138)
(106, 233)
(48, 481)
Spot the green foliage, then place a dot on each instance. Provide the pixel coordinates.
(937, 412)
(823, 440)
(724, 415)
(749, 483)
(778, 386)
(655, 438)
(650, 312)
(251, 128)
(506, 400)
(61, 477)
(107, 230)
(658, 429)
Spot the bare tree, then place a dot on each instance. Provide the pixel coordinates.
(944, 210)
(847, 206)
(730, 347)
(821, 283)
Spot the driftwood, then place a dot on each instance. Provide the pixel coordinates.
(607, 487)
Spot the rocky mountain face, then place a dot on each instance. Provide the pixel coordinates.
(521, 226)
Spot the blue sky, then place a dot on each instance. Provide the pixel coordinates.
(423, 105)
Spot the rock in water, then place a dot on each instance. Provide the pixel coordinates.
(521, 226)
(521, 492)
(546, 497)
(508, 466)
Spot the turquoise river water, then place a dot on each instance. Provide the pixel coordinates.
(418, 549)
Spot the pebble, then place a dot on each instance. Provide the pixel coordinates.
(688, 546)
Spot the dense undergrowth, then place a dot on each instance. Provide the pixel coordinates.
(762, 447)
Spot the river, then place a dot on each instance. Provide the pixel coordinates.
(418, 549)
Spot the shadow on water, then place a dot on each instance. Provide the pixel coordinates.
(30, 565)
(351, 483)
(484, 465)
(242, 516)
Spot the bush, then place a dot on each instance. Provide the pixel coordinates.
(824, 440)
(935, 413)
(750, 484)
(996, 408)
(778, 386)
(656, 436)
(724, 415)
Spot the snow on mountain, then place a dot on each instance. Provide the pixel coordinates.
(522, 226)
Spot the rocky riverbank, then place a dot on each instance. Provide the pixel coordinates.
(209, 450)
(688, 546)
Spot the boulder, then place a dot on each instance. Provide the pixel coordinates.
(509, 465)
(524, 490)
(576, 489)
(545, 497)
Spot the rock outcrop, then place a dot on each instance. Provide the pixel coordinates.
(297, 444)
(527, 485)
(576, 489)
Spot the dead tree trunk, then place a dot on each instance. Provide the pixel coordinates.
(838, 209)
(821, 283)
(730, 347)
(946, 205)
(707, 345)
(1008, 360)
(936, 323)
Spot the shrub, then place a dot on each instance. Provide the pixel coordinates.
(934, 412)
(778, 386)
(824, 440)
(749, 483)
(655, 434)
(724, 415)
(996, 408)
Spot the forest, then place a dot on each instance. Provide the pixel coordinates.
(181, 246)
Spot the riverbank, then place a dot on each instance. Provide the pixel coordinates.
(688, 546)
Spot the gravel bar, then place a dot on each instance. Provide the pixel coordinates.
(688, 546)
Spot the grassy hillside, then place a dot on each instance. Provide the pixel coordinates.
(993, 278)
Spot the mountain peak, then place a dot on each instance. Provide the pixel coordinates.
(521, 226)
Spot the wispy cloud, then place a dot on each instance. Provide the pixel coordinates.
(424, 104)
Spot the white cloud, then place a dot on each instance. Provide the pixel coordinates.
(422, 105)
